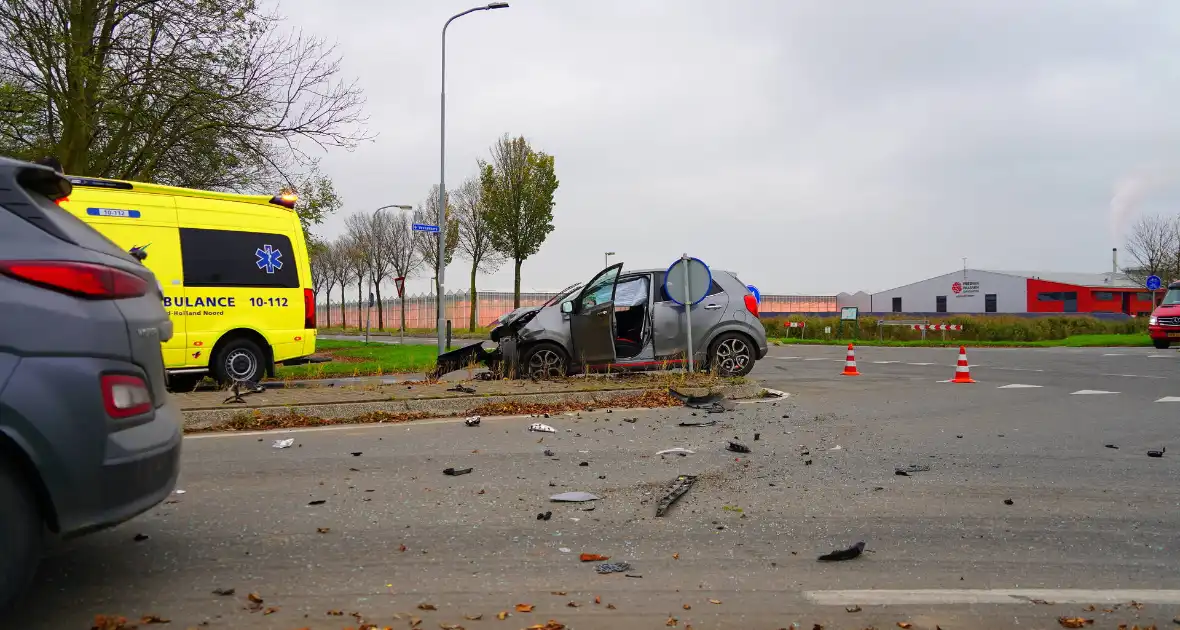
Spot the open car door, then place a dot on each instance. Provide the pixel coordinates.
(592, 320)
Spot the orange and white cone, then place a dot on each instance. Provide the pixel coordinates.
(850, 364)
(962, 370)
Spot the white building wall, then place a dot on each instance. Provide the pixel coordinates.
(921, 297)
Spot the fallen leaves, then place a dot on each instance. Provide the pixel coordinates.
(852, 609)
(597, 599)
(904, 625)
(150, 619)
(714, 601)
(473, 617)
(450, 626)
(415, 622)
(255, 602)
(593, 557)
(335, 613)
(1074, 622)
(401, 548)
(557, 592)
(109, 622)
(522, 608)
(610, 607)
(672, 622)
(427, 607)
(676, 556)
(323, 530)
(650, 398)
(502, 615)
(549, 625)
(270, 611)
(687, 607)
(223, 592)
(572, 604)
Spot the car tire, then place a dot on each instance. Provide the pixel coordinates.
(731, 354)
(543, 361)
(1161, 344)
(21, 529)
(239, 360)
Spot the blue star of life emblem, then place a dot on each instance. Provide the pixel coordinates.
(269, 258)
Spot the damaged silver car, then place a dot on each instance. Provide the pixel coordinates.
(623, 321)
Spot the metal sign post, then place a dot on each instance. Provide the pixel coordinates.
(400, 283)
(687, 282)
(1153, 284)
(368, 316)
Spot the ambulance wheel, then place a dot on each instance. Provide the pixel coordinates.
(239, 360)
(1161, 344)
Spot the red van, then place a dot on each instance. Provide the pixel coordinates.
(1164, 323)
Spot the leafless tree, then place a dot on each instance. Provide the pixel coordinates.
(342, 273)
(427, 242)
(358, 267)
(1154, 246)
(475, 237)
(403, 253)
(321, 275)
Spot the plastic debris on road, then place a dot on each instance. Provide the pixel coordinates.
(541, 428)
(473, 421)
(455, 472)
(678, 489)
(283, 443)
(738, 447)
(613, 567)
(680, 451)
(574, 497)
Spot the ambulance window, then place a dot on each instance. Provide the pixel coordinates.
(228, 258)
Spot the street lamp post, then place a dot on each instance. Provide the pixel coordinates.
(606, 259)
(442, 171)
(369, 311)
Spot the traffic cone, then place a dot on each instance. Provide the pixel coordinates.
(962, 371)
(850, 364)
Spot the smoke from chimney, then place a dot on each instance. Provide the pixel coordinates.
(1129, 193)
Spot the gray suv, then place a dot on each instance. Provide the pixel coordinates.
(626, 321)
(88, 436)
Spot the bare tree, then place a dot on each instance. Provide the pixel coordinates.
(358, 267)
(1154, 246)
(475, 237)
(361, 233)
(342, 272)
(427, 242)
(321, 276)
(403, 253)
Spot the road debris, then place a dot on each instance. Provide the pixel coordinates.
(843, 554)
(906, 471)
(323, 530)
(584, 464)
(460, 387)
(679, 451)
(757, 436)
(737, 447)
(697, 402)
(852, 609)
(702, 423)
(548, 452)
(283, 443)
(357, 453)
(141, 537)
(317, 502)
(836, 448)
(473, 421)
(524, 608)
(544, 516)
(678, 489)
(502, 615)
(1074, 622)
(714, 601)
(1159, 453)
(150, 619)
(904, 625)
(541, 428)
(427, 607)
(593, 557)
(573, 497)
(254, 602)
(455, 472)
(223, 592)
(1112, 446)
(1008, 501)
(473, 617)
(613, 567)
(772, 393)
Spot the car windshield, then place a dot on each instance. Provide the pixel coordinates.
(1171, 298)
(563, 294)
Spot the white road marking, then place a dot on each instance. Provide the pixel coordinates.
(883, 362)
(919, 364)
(1089, 392)
(1136, 375)
(785, 358)
(990, 596)
(1018, 386)
(1114, 355)
(1160, 356)
(1169, 399)
(821, 359)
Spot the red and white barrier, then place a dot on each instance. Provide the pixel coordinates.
(937, 327)
(795, 324)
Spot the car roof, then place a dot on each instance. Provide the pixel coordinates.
(665, 269)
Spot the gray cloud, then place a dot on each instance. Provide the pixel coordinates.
(812, 146)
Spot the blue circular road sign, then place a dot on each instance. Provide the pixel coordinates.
(757, 296)
(699, 281)
(1154, 283)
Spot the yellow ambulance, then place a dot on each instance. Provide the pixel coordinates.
(233, 270)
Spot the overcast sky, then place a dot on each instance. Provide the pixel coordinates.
(812, 146)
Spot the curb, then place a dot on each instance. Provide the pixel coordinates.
(208, 419)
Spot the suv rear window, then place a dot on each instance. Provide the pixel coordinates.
(55, 220)
(228, 258)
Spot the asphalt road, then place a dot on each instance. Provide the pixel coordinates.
(1087, 524)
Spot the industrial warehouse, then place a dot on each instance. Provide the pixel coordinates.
(973, 291)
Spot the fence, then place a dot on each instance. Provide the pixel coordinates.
(421, 309)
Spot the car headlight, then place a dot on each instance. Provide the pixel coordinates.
(1151, 321)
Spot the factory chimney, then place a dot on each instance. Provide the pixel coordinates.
(1114, 263)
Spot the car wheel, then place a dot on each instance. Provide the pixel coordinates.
(544, 361)
(239, 360)
(20, 535)
(731, 354)
(1162, 344)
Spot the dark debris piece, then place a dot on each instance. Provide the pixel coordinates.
(1112, 446)
(455, 472)
(738, 447)
(544, 516)
(1008, 501)
(613, 567)
(843, 554)
(1159, 453)
(905, 471)
(678, 489)
(461, 388)
(223, 592)
(705, 423)
(697, 402)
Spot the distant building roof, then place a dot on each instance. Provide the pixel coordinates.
(1108, 279)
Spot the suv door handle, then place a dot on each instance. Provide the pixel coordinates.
(712, 307)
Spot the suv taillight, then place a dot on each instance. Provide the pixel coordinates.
(84, 280)
(751, 304)
(308, 308)
(124, 395)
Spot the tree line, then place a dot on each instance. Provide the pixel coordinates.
(1154, 246)
(503, 213)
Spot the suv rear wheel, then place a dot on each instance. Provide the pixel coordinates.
(1162, 344)
(239, 360)
(20, 534)
(731, 354)
(543, 361)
